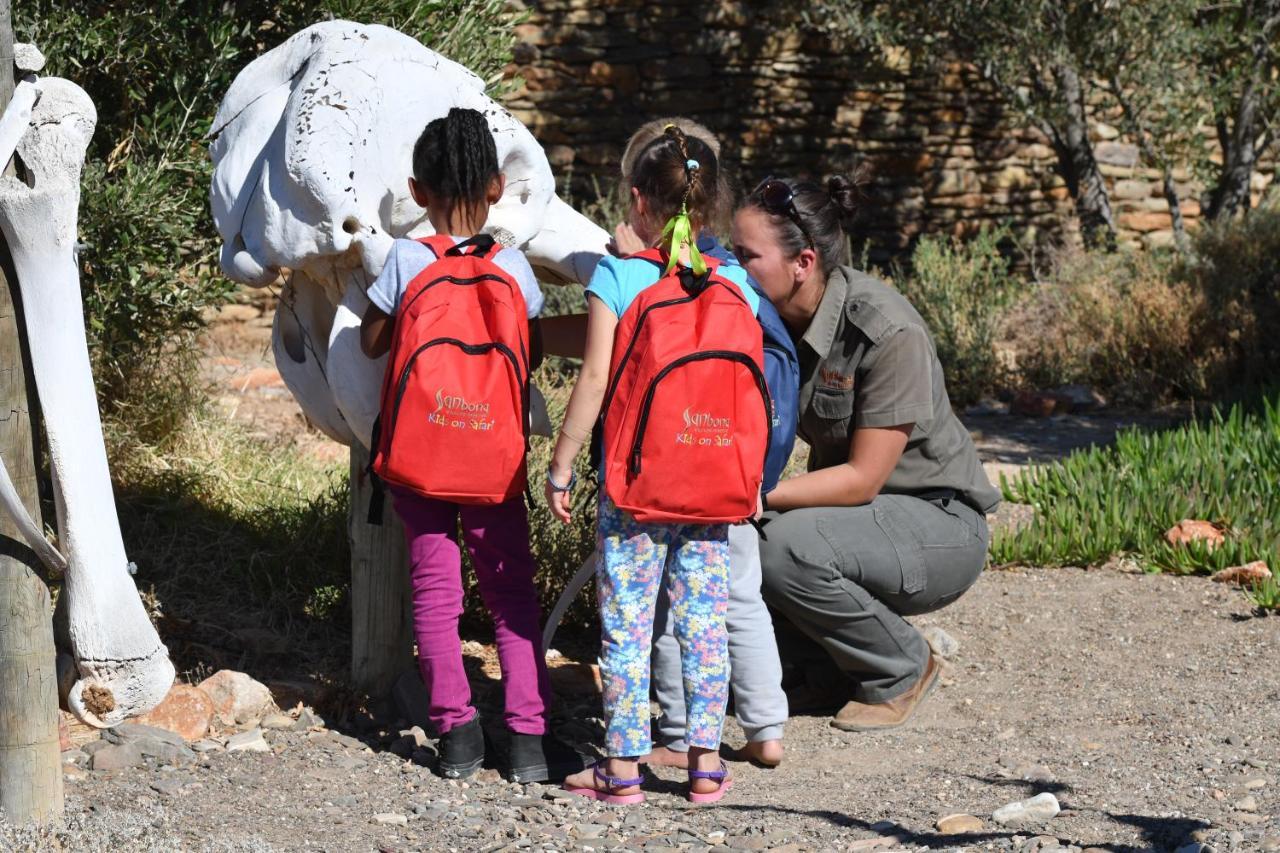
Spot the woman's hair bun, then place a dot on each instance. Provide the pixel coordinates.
(848, 192)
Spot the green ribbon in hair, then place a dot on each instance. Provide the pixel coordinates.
(679, 233)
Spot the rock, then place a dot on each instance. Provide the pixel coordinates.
(1195, 847)
(1246, 575)
(589, 830)
(27, 58)
(186, 711)
(129, 732)
(237, 698)
(1255, 783)
(1189, 530)
(871, 844)
(116, 757)
(1033, 404)
(166, 752)
(943, 644)
(957, 823)
(167, 787)
(308, 719)
(277, 722)
(1077, 398)
(1270, 843)
(488, 776)
(1246, 804)
(73, 772)
(391, 819)
(1037, 809)
(250, 741)
(411, 698)
(206, 746)
(346, 801)
(93, 746)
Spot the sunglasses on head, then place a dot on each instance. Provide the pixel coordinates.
(779, 198)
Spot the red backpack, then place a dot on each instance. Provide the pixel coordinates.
(455, 400)
(687, 418)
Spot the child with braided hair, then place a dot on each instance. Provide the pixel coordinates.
(670, 201)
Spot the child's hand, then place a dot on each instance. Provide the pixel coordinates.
(759, 505)
(626, 241)
(558, 501)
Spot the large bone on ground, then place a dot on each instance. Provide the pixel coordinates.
(123, 667)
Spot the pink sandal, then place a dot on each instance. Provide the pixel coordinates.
(722, 776)
(612, 784)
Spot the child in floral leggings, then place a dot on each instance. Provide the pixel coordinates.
(671, 177)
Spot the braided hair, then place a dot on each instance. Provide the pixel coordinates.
(675, 172)
(456, 159)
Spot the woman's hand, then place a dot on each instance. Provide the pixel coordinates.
(626, 241)
(559, 501)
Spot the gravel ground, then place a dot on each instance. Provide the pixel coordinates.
(1146, 704)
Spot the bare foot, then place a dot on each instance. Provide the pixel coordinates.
(706, 760)
(766, 752)
(665, 757)
(618, 768)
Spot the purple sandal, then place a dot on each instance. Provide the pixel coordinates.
(612, 783)
(722, 776)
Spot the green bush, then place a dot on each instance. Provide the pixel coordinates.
(1101, 503)
(961, 291)
(157, 71)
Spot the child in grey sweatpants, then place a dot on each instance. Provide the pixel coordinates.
(755, 673)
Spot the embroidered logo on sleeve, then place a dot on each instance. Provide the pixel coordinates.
(834, 380)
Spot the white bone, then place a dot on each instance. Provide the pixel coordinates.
(123, 667)
(312, 146)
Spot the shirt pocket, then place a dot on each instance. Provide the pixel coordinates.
(829, 417)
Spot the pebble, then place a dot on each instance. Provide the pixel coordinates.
(1255, 783)
(167, 787)
(206, 746)
(943, 644)
(348, 762)
(346, 801)
(250, 741)
(589, 830)
(1235, 740)
(307, 719)
(73, 772)
(391, 819)
(1235, 836)
(1270, 843)
(1195, 847)
(957, 823)
(1246, 804)
(1037, 809)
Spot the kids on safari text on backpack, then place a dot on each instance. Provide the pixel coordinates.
(673, 359)
(452, 310)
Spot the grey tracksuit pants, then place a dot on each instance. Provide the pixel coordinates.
(845, 577)
(755, 673)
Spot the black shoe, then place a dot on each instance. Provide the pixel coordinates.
(541, 758)
(461, 750)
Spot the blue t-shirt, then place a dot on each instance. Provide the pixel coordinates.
(618, 281)
(407, 258)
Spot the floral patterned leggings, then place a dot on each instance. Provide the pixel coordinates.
(696, 563)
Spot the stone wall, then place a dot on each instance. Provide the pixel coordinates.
(784, 100)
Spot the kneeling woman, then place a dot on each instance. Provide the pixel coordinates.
(890, 519)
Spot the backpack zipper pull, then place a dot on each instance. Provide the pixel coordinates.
(635, 462)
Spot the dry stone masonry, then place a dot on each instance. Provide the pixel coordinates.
(785, 99)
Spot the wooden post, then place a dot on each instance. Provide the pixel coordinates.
(381, 622)
(30, 769)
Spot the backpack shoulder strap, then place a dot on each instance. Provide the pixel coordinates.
(439, 244)
(480, 246)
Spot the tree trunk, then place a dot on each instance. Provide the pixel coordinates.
(381, 623)
(1239, 156)
(1077, 165)
(30, 769)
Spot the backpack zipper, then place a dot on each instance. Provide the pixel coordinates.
(728, 355)
(635, 334)
(469, 349)
(455, 280)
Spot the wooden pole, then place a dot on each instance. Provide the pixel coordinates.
(30, 769)
(381, 623)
